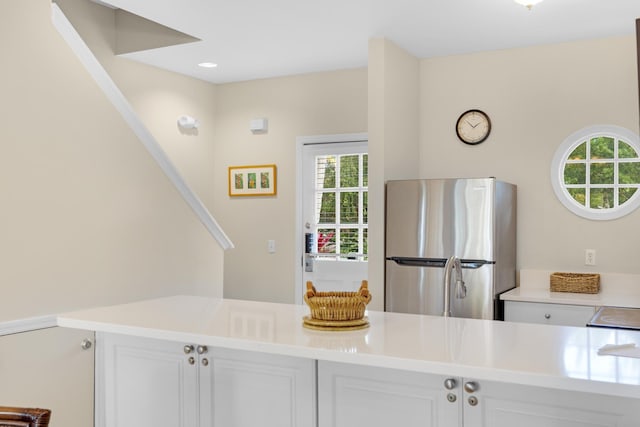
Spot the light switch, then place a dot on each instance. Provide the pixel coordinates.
(271, 246)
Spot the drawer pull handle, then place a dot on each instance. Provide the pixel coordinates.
(547, 316)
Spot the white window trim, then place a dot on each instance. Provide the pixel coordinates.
(557, 171)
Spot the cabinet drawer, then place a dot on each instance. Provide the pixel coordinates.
(552, 314)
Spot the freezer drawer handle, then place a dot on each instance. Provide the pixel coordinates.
(438, 262)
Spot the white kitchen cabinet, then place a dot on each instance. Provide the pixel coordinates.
(145, 382)
(49, 368)
(508, 405)
(257, 389)
(351, 395)
(548, 313)
(355, 395)
(148, 382)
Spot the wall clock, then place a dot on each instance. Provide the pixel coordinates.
(473, 127)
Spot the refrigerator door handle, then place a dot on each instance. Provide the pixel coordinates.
(418, 262)
(437, 262)
(475, 263)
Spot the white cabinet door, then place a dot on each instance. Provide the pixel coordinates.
(144, 382)
(354, 395)
(252, 389)
(48, 368)
(509, 405)
(552, 314)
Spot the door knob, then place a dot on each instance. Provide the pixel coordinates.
(202, 349)
(188, 349)
(86, 344)
(450, 383)
(471, 386)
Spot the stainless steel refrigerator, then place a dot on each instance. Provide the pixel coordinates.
(436, 226)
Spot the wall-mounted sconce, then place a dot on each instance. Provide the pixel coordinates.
(259, 125)
(188, 122)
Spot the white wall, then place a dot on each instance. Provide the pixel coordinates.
(393, 119)
(313, 104)
(88, 218)
(535, 97)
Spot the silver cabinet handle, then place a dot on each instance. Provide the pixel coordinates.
(202, 349)
(205, 362)
(192, 360)
(86, 344)
(471, 386)
(188, 349)
(450, 383)
(547, 316)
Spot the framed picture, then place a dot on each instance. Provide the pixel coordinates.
(259, 180)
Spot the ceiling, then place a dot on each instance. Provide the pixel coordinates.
(253, 39)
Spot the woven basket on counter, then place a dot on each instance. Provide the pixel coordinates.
(339, 306)
(582, 283)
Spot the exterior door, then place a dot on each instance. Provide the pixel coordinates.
(334, 215)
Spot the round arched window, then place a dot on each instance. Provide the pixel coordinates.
(595, 172)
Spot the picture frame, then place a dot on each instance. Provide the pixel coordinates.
(254, 180)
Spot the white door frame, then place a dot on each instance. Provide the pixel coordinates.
(301, 141)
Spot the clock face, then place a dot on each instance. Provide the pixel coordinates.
(473, 127)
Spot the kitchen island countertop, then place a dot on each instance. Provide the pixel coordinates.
(538, 355)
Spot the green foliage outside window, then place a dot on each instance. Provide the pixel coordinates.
(605, 168)
(348, 195)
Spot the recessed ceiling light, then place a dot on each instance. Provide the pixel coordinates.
(528, 3)
(207, 65)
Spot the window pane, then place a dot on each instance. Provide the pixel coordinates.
(629, 173)
(326, 172)
(365, 170)
(625, 151)
(601, 173)
(327, 208)
(349, 207)
(575, 173)
(602, 148)
(601, 198)
(580, 152)
(625, 194)
(349, 171)
(327, 241)
(365, 207)
(348, 240)
(578, 195)
(365, 241)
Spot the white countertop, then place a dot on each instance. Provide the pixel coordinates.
(538, 355)
(616, 290)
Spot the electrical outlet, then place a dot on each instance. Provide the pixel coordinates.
(589, 257)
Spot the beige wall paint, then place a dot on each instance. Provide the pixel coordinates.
(88, 217)
(393, 141)
(535, 97)
(313, 104)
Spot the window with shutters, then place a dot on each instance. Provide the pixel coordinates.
(341, 199)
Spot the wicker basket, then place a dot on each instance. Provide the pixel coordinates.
(339, 306)
(582, 283)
